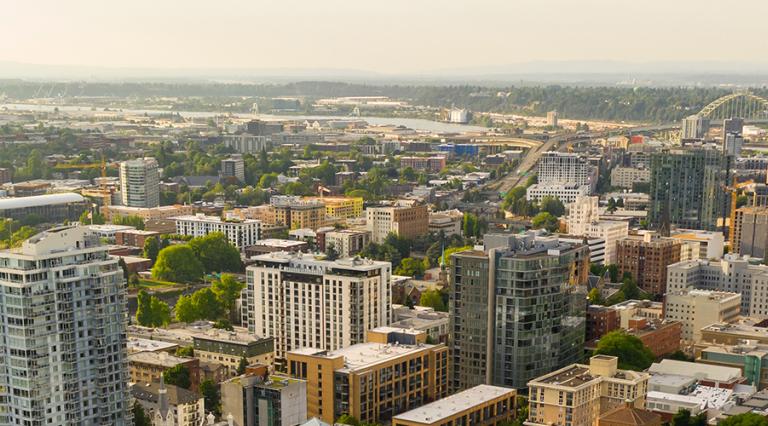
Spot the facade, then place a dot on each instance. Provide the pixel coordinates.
(584, 219)
(407, 221)
(552, 118)
(240, 233)
(53, 207)
(392, 373)
(297, 213)
(596, 246)
(626, 177)
(578, 394)
(517, 309)
(694, 127)
(601, 320)
(695, 244)
(730, 274)
(750, 232)
(482, 405)
(435, 324)
(347, 242)
(63, 299)
(233, 167)
(749, 357)
(341, 207)
(247, 144)
(423, 164)
(134, 237)
(6, 175)
(567, 193)
(696, 309)
(259, 399)
(686, 188)
(448, 222)
(154, 213)
(140, 183)
(646, 258)
(169, 405)
(303, 302)
(148, 367)
(558, 168)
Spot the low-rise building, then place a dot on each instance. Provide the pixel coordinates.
(162, 212)
(448, 222)
(298, 213)
(148, 367)
(257, 398)
(567, 193)
(696, 309)
(169, 405)
(435, 324)
(134, 237)
(706, 375)
(579, 394)
(423, 164)
(394, 372)
(482, 405)
(271, 245)
(750, 357)
(627, 415)
(735, 332)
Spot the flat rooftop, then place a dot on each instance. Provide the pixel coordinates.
(277, 242)
(185, 335)
(364, 355)
(137, 344)
(157, 358)
(436, 412)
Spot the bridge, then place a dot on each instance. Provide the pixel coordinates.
(740, 104)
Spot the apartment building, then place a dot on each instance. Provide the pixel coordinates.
(233, 167)
(423, 164)
(303, 302)
(140, 183)
(626, 177)
(732, 273)
(134, 237)
(247, 144)
(697, 244)
(646, 258)
(696, 309)
(63, 301)
(394, 372)
(341, 207)
(482, 405)
(407, 220)
(750, 232)
(565, 168)
(297, 213)
(347, 242)
(584, 219)
(448, 222)
(240, 233)
(578, 394)
(153, 213)
(567, 193)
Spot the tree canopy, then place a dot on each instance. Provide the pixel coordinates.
(216, 253)
(746, 419)
(177, 263)
(546, 221)
(152, 312)
(178, 375)
(227, 289)
(410, 267)
(433, 299)
(632, 353)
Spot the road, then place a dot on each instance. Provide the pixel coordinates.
(519, 175)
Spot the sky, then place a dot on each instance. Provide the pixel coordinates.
(383, 36)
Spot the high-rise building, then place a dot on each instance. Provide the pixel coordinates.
(240, 233)
(696, 244)
(584, 219)
(233, 167)
(6, 175)
(405, 220)
(578, 394)
(732, 273)
(395, 371)
(140, 183)
(517, 309)
(694, 127)
(258, 398)
(686, 188)
(559, 168)
(552, 118)
(303, 302)
(645, 258)
(64, 310)
(750, 232)
(696, 309)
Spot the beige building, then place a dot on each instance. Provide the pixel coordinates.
(297, 213)
(699, 308)
(407, 220)
(482, 405)
(347, 242)
(148, 367)
(579, 394)
(625, 177)
(697, 244)
(392, 373)
(633, 309)
(152, 213)
(584, 219)
(448, 222)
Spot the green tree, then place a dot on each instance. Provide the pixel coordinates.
(632, 353)
(452, 250)
(224, 324)
(552, 205)
(151, 311)
(211, 397)
(178, 375)
(207, 304)
(546, 221)
(594, 297)
(241, 366)
(410, 267)
(683, 418)
(346, 419)
(433, 299)
(330, 252)
(745, 419)
(91, 217)
(135, 221)
(177, 263)
(227, 288)
(216, 253)
(185, 309)
(151, 248)
(511, 198)
(185, 351)
(408, 174)
(140, 417)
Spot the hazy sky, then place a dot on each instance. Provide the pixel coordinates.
(379, 35)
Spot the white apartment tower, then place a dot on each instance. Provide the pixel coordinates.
(303, 302)
(240, 233)
(558, 168)
(63, 318)
(140, 183)
(584, 219)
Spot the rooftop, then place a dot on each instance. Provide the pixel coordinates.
(441, 409)
(137, 344)
(700, 371)
(365, 355)
(629, 415)
(185, 334)
(176, 395)
(307, 262)
(157, 358)
(276, 242)
(217, 219)
(39, 200)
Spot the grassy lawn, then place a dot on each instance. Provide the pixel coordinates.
(154, 284)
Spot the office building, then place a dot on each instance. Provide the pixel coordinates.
(696, 244)
(239, 233)
(298, 213)
(750, 232)
(517, 309)
(423, 164)
(558, 168)
(134, 237)
(735, 332)
(258, 398)
(140, 183)
(54, 208)
(687, 188)
(233, 167)
(347, 242)
(247, 144)
(407, 220)
(394, 372)
(341, 207)
(627, 177)
(696, 309)
(64, 314)
(733, 144)
(460, 116)
(596, 246)
(169, 405)
(732, 273)
(578, 394)
(584, 219)
(482, 405)
(566, 193)
(645, 258)
(694, 127)
(303, 302)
